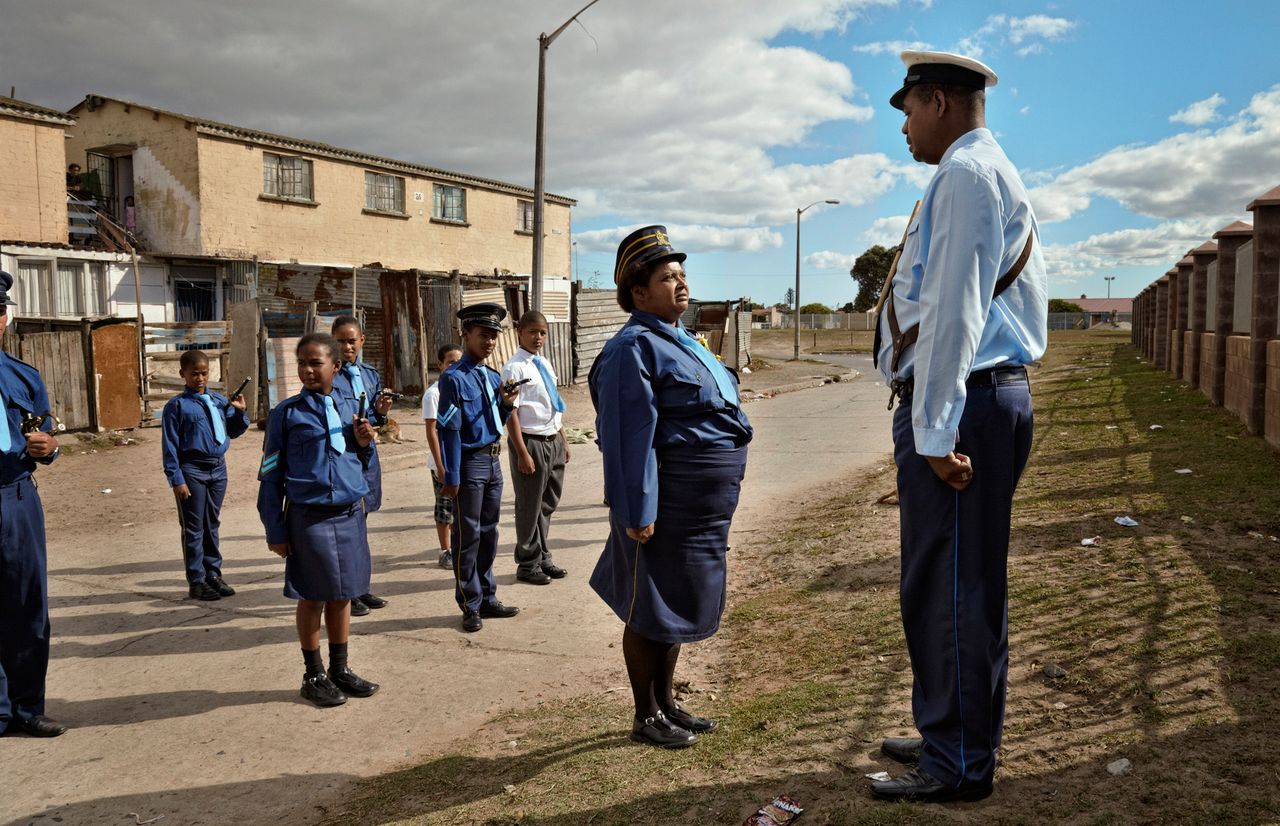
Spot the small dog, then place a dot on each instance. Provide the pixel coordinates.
(389, 432)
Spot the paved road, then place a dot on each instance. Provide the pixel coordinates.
(190, 710)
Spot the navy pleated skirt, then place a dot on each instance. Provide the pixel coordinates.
(329, 552)
(672, 588)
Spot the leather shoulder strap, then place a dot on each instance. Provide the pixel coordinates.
(1011, 276)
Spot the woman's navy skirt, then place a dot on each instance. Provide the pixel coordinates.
(672, 588)
(329, 552)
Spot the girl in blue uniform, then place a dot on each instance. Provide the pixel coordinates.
(674, 440)
(311, 502)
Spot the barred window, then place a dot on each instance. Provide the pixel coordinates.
(524, 216)
(384, 193)
(449, 203)
(284, 176)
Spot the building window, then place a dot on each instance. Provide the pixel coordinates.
(284, 176)
(384, 193)
(76, 291)
(524, 216)
(33, 288)
(449, 203)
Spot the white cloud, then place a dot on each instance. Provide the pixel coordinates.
(690, 238)
(830, 260)
(1038, 25)
(1160, 246)
(1026, 110)
(887, 231)
(1200, 112)
(1191, 175)
(1015, 31)
(892, 46)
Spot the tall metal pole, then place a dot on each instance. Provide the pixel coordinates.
(539, 189)
(1108, 279)
(796, 308)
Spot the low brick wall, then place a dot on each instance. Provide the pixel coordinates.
(1236, 395)
(1190, 357)
(1273, 393)
(1176, 346)
(1206, 364)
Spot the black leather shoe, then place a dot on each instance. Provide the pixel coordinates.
(471, 622)
(321, 691)
(534, 577)
(554, 571)
(496, 610)
(661, 732)
(373, 602)
(903, 749)
(698, 725)
(352, 684)
(203, 592)
(38, 726)
(923, 787)
(358, 608)
(216, 583)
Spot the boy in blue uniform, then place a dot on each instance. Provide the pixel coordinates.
(355, 378)
(311, 502)
(24, 600)
(474, 405)
(198, 427)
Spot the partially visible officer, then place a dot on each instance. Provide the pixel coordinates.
(24, 597)
(355, 379)
(965, 311)
(474, 406)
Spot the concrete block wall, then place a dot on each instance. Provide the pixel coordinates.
(1272, 396)
(1206, 363)
(1236, 385)
(1190, 356)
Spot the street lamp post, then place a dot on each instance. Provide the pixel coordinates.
(800, 212)
(1108, 279)
(539, 191)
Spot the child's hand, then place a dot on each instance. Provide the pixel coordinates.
(238, 403)
(641, 535)
(382, 404)
(509, 393)
(282, 549)
(525, 464)
(40, 444)
(449, 491)
(182, 492)
(364, 431)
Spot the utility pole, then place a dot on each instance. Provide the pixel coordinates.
(1108, 279)
(800, 212)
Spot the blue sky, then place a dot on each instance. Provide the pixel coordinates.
(1140, 128)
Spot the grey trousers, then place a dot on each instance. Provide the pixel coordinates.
(537, 495)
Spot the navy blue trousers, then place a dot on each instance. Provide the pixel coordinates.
(954, 589)
(24, 603)
(199, 515)
(475, 530)
(373, 478)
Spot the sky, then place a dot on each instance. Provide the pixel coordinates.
(1139, 128)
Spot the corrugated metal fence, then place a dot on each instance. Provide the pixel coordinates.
(596, 317)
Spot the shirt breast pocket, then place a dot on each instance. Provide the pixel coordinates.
(684, 392)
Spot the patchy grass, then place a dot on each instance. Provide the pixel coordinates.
(1168, 634)
(812, 341)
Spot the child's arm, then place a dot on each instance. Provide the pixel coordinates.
(169, 421)
(271, 475)
(565, 439)
(524, 461)
(449, 422)
(379, 405)
(237, 418)
(433, 444)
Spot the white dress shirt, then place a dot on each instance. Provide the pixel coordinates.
(533, 404)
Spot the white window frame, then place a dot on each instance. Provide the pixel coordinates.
(384, 193)
(524, 216)
(440, 207)
(300, 183)
(49, 291)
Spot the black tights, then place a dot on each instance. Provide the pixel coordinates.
(651, 665)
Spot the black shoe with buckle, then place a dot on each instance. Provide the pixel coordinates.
(373, 602)
(681, 717)
(496, 610)
(351, 683)
(215, 582)
(903, 749)
(661, 732)
(320, 690)
(358, 608)
(922, 787)
(203, 591)
(471, 622)
(554, 571)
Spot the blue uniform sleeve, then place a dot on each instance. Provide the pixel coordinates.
(170, 420)
(626, 420)
(271, 476)
(373, 388)
(965, 247)
(237, 420)
(449, 427)
(41, 398)
(504, 412)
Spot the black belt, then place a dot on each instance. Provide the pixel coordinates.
(491, 449)
(540, 438)
(325, 510)
(904, 389)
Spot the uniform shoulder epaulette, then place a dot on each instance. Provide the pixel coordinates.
(289, 402)
(372, 370)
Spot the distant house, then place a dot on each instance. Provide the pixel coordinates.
(1102, 310)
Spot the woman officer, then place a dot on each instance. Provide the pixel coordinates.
(674, 439)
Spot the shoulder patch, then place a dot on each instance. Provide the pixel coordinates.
(269, 462)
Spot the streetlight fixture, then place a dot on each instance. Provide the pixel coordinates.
(800, 212)
(544, 43)
(1108, 279)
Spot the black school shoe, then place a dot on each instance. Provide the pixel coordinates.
(373, 602)
(682, 718)
(351, 683)
(903, 749)
(321, 691)
(661, 732)
(215, 582)
(554, 571)
(38, 726)
(496, 610)
(471, 622)
(534, 577)
(203, 591)
(922, 787)
(358, 608)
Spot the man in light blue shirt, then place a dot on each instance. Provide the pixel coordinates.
(964, 311)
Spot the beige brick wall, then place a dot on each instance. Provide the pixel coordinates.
(1190, 356)
(1206, 364)
(33, 191)
(165, 171)
(1236, 395)
(237, 222)
(1272, 419)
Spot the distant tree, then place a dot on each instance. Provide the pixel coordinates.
(847, 307)
(816, 309)
(782, 305)
(1061, 305)
(789, 298)
(754, 305)
(869, 272)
